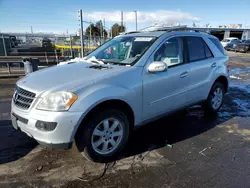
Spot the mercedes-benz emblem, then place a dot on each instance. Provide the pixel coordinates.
(15, 97)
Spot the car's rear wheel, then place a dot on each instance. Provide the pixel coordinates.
(215, 98)
(104, 135)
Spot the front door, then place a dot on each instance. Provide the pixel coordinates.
(166, 91)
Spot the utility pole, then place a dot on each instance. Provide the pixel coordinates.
(103, 30)
(81, 32)
(121, 18)
(135, 20)
(5, 53)
(71, 50)
(4, 47)
(90, 34)
(111, 33)
(31, 29)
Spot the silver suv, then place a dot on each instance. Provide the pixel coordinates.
(128, 81)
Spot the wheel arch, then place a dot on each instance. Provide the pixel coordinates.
(111, 104)
(224, 81)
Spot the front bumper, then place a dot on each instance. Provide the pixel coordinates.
(61, 137)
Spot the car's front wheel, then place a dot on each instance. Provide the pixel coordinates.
(104, 135)
(215, 98)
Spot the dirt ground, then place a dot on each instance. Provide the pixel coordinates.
(187, 149)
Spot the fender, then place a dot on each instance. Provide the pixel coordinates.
(93, 95)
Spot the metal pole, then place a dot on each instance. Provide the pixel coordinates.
(71, 50)
(82, 38)
(5, 53)
(4, 47)
(135, 20)
(56, 57)
(121, 18)
(103, 30)
(90, 35)
(46, 57)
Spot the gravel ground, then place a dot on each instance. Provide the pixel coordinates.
(187, 149)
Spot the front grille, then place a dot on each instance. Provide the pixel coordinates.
(23, 98)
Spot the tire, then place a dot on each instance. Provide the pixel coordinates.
(93, 138)
(213, 103)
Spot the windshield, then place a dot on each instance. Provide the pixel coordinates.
(124, 50)
(225, 40)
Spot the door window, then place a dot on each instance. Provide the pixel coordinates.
(197, 49)
(171, 52)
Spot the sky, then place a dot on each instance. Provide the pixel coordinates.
(61, 16)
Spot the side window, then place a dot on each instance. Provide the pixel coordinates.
(218, 45)
(195, 48)
(207, 50)
(171, 52)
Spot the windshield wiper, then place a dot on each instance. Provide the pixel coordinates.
(113, 62)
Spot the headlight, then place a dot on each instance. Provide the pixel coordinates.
(58, 101)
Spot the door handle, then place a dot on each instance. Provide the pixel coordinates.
(184, 74)
(213, 65)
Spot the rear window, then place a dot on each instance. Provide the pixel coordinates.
(218, 45)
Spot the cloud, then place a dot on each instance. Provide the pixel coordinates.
(159, 16)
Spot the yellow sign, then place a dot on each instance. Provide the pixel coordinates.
(74, 47)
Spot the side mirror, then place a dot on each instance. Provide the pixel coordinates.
(157, 66)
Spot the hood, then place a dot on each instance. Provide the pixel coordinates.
(66, 77)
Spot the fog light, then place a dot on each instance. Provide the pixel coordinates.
(46, 126)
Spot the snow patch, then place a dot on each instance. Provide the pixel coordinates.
(235, 77)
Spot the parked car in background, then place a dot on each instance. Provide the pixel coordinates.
(229, 40)
(232, 45)
(243, 47)
(125, 83)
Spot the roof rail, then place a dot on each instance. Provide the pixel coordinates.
(170, 29)
(166, 29)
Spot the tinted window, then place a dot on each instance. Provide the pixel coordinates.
(207, 51)
(195, 48)
(247, 41)
(218, 45)
(170, 52)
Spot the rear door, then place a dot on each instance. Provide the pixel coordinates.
(202, 65)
